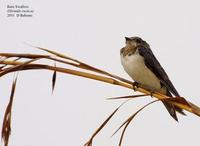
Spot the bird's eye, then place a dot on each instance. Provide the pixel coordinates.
(138, 41)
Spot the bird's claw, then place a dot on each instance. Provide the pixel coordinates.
(135, 85)
(151, 93)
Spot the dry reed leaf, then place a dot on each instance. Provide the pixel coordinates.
(21, 55)
(6, 127)
(101, 78)
(125, 97)
(84, 65)
(89, 143)
(195, 109)
(104, 76)
(54, 80)
(16, 67)
(128, 121)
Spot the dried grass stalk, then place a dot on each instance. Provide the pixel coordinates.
(6, 127)
(12, 62)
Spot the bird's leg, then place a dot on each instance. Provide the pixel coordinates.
(135, 85)
(151, 93)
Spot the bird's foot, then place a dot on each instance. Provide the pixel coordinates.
(151, 93)
(135, 85)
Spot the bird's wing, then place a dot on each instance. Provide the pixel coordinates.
(152, 63)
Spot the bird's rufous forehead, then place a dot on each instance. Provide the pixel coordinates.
(133, 38)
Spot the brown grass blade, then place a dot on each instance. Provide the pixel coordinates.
(16, 67)
(125, 97)
(128, 121)
(2, 59)
(54, 80)
(81, 64)
(195, 109)
(104, 77)
(30, 56)
(4, 66)
(6, 127)
(159, 96)
(89, 143)
(54, 53)
(34, 56)
(84, 65)
(67, 71)
(1, 67)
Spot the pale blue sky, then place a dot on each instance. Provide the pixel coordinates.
(93, 31)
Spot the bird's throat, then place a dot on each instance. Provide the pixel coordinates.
(128, 51)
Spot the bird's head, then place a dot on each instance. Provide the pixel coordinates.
(134, 42)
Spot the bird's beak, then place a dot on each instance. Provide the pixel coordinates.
(127, 38)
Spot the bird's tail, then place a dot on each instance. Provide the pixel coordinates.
(173, 109)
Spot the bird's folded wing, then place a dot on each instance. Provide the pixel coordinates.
(152, 63)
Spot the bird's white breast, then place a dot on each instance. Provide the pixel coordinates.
(134, 65)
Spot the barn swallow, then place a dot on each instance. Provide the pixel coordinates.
(142, 66)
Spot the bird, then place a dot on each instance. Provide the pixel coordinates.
(142, 66)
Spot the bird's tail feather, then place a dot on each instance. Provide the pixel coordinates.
(173, 109)
(170, 108)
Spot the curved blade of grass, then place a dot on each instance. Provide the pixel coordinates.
(2, 59)
(89, 143)
(4, 66)
(16, 67)
(195, 109)
(53, 80)
(191, 108)
(128, 121)
(125, 97)
(34, 56)
(64, 70)
(30, 56)
(83, 65)
(6, 128)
